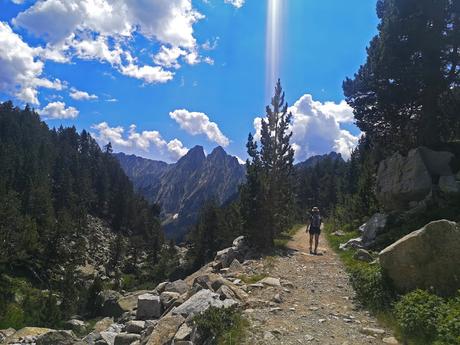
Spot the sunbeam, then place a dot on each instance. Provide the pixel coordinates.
(273, 43)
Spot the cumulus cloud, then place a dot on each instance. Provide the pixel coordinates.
(149, 74)
(196, 123)
(168, 57)
(236, 3)
(104, 30)
(316, 128)
(20, 70)
(58, 110)
(81, 95)
(176, 148)
(144, 141)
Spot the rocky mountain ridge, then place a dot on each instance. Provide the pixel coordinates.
(183, 187)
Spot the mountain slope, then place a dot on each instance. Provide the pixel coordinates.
(182, 188)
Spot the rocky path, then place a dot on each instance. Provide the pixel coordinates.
(317, 308)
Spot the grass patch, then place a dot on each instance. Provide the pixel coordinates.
(282, 240)
(252, 278)
(345, 255)
(222, 326)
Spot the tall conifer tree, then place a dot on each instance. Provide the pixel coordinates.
(268, 196)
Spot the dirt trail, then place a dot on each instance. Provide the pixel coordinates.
(317, 309)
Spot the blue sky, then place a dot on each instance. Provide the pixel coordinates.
(159, 76)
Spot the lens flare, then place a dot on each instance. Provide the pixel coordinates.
(273, 43)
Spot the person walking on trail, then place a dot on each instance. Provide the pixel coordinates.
(315, 229)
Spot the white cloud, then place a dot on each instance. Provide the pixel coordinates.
(196, 123)
(20, 70)
(104, 30)
(167, 57)
(146, 141)
(236, 3)
(316, 128)
(81, 95)
(210, 44)
(111, 134)
(58, 110)
(176, 149)
(149, 74)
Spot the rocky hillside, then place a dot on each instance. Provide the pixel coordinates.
(182, 188)
(314, 160)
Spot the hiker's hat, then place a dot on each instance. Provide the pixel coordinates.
(315, 209)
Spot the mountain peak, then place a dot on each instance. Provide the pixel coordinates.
(193, 158)
(217, 151)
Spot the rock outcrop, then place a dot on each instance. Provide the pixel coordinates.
(372, 228)
(404, 181)
(165, 315)
(427, 259)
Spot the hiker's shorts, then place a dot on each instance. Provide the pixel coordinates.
(314, 230)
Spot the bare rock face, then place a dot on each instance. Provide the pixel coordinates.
(426, 258)
(403, 180)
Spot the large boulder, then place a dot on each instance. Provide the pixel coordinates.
(128, 302)
(402, 180)
(78, 326)
(178, 286)
(148, 307)
(56, 338)
(26, 332)
(202, 301)
(108, 302)
(372, 228)
(428, 258)
(165, 330)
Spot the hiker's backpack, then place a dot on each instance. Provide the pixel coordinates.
(315, 221)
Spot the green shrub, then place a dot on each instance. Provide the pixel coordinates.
(219, 326)
(449, 324)
(372, 288)
(418, 315)
(13, 317)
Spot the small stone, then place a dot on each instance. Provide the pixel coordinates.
(269, 336)
(256, 285)
(270, 281)
(277, 298)
(274, 310)
(390, 340)
(372, 331)
(322, 320)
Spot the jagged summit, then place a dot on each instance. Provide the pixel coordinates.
(183, 187)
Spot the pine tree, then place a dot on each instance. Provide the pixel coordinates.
(400, 96)
(268, 196)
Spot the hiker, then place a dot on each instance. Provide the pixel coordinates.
(314, 229)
